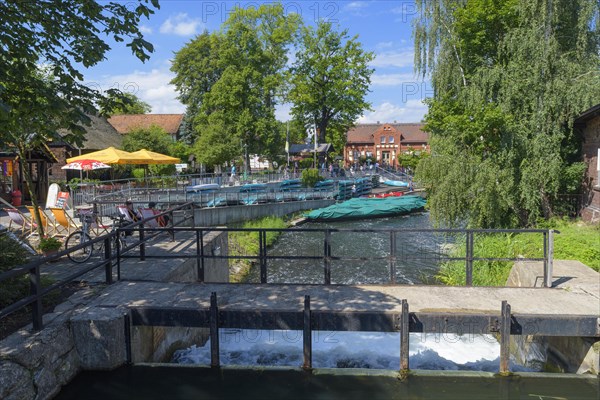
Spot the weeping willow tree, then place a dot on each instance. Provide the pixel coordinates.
(509, 78)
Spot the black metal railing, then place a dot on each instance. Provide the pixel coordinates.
(332, 251)
(108, 260)
(329, 254)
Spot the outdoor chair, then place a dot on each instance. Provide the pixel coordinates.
(48, 223)
(65, 220)
(122, 209)
(158, 222)
(21, 220)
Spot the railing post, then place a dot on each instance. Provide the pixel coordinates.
(307, 335)
(107, 257)
(326, 257)
(404, 337)
(200, 255)
(261, 255)
(142, 243)
(505, 322)
(469, 258)
(214, 332)
(549, 258)
(119, 232)
(392, 257)
(35, 287)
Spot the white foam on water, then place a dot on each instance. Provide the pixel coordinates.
(350, 350)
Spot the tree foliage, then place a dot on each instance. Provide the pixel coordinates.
(231, 80)
(509, 78)
(124, 103)
(329, 81)
(44, 45)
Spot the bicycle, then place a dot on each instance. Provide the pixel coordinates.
(82, 236)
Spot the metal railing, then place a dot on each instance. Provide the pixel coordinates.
(329, 253)
(109, 259)
(324, 258)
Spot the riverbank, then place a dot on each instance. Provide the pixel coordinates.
(575, 240)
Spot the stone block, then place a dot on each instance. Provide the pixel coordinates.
(15, 382)
(99, 335)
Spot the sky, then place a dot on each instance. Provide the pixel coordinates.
(383, 27)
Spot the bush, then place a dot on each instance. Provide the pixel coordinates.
(306, 163)
(310, 177)
(49, 243)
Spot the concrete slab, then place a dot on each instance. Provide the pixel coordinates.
(350, 298)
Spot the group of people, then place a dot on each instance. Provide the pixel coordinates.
(135, 215)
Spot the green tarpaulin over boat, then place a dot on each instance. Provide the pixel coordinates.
(369, 208)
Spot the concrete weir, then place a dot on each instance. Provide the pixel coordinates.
(574, 354)
(142, 318)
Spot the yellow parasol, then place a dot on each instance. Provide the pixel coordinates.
(152, 157)
(111, 155)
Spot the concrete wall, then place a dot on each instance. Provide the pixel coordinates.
(231, 214)
(579, 355)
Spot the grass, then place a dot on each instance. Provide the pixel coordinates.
(576, 241)
(246, 243)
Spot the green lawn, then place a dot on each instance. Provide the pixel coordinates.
(576, 241)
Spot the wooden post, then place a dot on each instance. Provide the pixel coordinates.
(505, 322)
(215, 360)
(142, 243)
(307, 335)
(404, 337)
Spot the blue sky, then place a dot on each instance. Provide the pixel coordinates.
(383, 26)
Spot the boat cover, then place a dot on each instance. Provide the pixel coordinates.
(369, 208)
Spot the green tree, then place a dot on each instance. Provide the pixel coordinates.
(509, 77)
(153, 138)
(329, 81)
(62, 36)
(231, 80)
(124, 103)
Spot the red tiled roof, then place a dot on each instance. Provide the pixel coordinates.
(411, 133)
(125, 123)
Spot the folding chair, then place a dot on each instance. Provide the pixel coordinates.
(49, 226)
(65, 220)
(149, 213)
(122, 209)
(21, 220)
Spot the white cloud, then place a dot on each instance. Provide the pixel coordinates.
(411, 111)
(355, 5)
(394, 79)
(146, 30)
(153, 87)
(397, 59)
(180, 24)
(384, 45)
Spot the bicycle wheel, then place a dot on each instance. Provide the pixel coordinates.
(121, 241)
(83, 254)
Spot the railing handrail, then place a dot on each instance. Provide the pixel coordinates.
(37, 292)
(33, 268)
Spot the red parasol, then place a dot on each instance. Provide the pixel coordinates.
(86, 165)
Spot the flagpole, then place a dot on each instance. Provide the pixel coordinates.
(287, 143)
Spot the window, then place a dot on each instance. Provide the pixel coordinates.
(382, 139)
(391, 139)
(369, 154)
